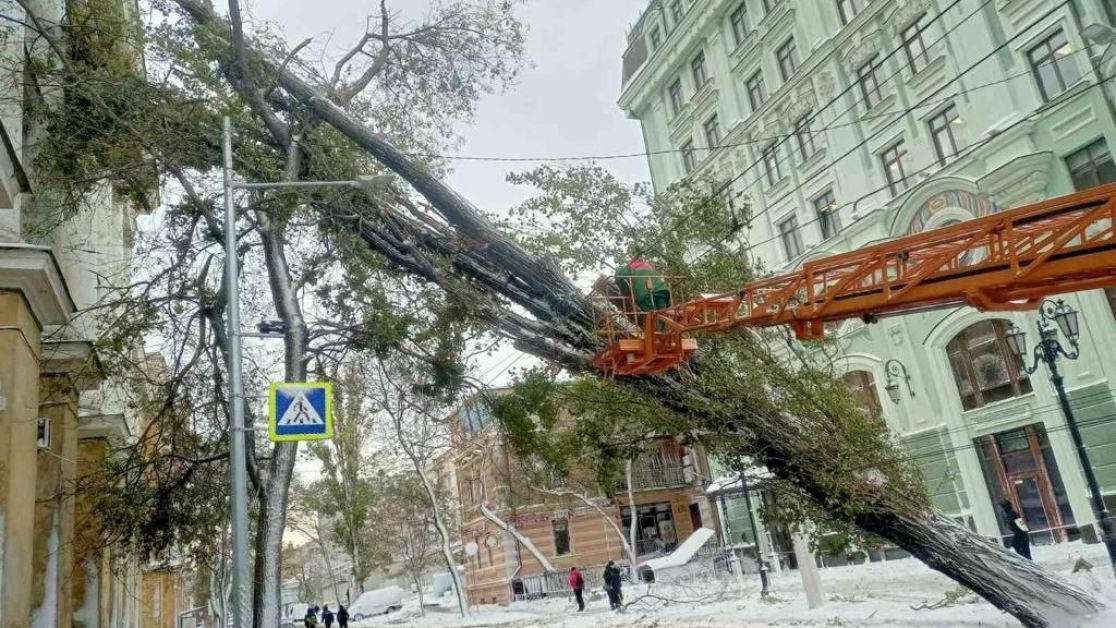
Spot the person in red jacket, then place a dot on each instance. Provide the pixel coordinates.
(577, 583)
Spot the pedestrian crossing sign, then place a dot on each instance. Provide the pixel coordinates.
(300, 411)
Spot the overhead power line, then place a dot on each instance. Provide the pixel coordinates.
(873, 136)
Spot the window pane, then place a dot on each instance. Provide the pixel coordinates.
(1048, 80)
(771, 164)
(957, 363)
(757, 93)
(1091, 166)
(676, 11)
(787, 56)
(738, 19)
(981, 364)
(712, 132)
(1066, 67)
(698, 67)
(862, 385)
(828, 220)
(1055, 71)
(561, 536)
(894, 169)
(689, 161)
(943, 131)
(914, 47)
(869, 88)
(676, 96)
(804, 136)
(792, 244)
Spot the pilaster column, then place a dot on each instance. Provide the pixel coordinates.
(33, 296)
(19, 385)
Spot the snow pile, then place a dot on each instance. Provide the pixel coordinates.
(893, 594)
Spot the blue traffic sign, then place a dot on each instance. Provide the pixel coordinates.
(300, 411)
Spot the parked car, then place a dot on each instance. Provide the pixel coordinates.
(378, 602)
(293, 615)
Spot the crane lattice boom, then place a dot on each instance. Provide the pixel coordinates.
(1010, 260)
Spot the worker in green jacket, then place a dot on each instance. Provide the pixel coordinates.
(639, 281)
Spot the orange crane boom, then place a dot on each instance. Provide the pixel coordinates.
(1010, 260)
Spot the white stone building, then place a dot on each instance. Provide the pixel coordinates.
(834, 124)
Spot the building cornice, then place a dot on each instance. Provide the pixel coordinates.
(636, 93)
(74, 359)
(34, 272)
(112, 427)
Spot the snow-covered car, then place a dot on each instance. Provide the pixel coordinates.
(378, 602)
(293, 615)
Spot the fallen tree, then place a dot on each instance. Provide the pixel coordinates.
(769, 415)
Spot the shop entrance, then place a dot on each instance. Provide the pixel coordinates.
(1019, 467)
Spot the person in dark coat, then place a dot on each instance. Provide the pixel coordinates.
(577, 583)
(1020, 535)
(327, 617)
(342, 617)
(612, 585)
(311, 618)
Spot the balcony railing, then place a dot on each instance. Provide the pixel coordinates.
(657, 477)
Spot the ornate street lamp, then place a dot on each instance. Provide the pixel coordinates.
(1055, 316)
(895, 370)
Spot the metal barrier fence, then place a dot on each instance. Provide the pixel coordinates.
(557, 583)
(655, 477)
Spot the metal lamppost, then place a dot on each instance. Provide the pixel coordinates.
(896, 371)
(240, 596)
(1055, 316)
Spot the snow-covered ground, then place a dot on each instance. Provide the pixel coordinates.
(876, 594)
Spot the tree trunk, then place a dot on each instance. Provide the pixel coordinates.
(328, 560)
(444, 539)
(273, 499)
(633, 521)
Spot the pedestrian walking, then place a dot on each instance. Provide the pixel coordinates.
(577, 583)
(311, 618)
(327, 617)
(342, 617)
(1020, 535)
(612, 583)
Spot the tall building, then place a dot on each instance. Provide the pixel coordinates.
(670, 503)
(828, 125)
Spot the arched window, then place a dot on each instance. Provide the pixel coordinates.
(863, 388)
(984, 367)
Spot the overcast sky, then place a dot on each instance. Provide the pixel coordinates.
(564, 105)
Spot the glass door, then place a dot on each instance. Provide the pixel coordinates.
(1019, 467)
(1032, 507)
